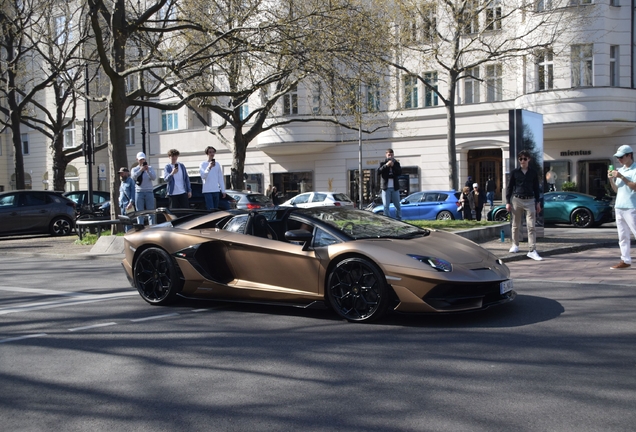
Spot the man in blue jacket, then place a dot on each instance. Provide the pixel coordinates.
(179, 189)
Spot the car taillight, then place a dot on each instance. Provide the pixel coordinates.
(71, 204)
(337, 204)
(251, 206)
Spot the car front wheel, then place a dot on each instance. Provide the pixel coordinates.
(357, 290)
(60, 226)
(444, 215)
(156, 276)
(582, 218)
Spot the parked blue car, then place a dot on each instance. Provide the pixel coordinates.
(427, 205)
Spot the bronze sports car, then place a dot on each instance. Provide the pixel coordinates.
(358, 263)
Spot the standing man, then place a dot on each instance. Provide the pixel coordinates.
(490, 191)
(213, 182)
(179, 189)
(126, 194)
(623, 182)
(469, 182)
(389, 170)
(143, 175)
(523, 195)
(479, 199)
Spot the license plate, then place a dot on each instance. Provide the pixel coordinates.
(505, 286)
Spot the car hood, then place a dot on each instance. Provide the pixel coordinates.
(438, 244)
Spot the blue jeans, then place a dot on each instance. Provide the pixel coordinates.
(212, 200)
(389, 196)
(490, 197)
(122, 211)
(145, 201)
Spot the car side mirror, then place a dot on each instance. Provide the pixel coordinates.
(404, 201)
(299, 236)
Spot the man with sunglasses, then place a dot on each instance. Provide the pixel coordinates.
(623, 182)
(522, 196)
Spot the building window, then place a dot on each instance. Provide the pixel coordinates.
(373, 97)
(544, 5)
(545, 70)
(69, 136)
(470, 19)
(25, 143)
(581, 56)
(471, 86)
(61, 35)
(493, 15)
(316, 96)
(429, 27)
(290, 101)
(409, 31)
(430, 94)
(130, 132)
(244, 111)
(615, 3)
(614, 78)
(169, 120)
(494, 83)
(410, 91)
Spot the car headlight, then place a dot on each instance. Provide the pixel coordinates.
(437, 263)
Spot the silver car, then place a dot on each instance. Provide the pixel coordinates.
(319, 199)
(36, 212)
(250, 201)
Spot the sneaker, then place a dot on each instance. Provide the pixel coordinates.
(621, 265)
(514, 249)
(534, 255)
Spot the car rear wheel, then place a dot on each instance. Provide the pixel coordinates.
(444, 215)
(60, 226)
(502, 215)
(582, 218)
(156, 276)
(357, 290)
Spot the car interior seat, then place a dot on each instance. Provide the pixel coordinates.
(260, 227)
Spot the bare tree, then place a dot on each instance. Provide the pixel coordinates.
(456, 37)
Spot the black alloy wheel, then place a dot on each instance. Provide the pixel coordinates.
(357, 290)
(156, 276)
(582, 218)
(502, 215)
(60, 226)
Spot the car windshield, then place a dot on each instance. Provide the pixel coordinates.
(361, 224)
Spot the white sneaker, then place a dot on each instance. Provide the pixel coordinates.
(534, 255)
(514, 249)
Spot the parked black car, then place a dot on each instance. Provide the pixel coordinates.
(36, 212)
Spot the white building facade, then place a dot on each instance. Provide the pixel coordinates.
(585, 92)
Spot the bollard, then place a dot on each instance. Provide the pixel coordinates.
(503, 236)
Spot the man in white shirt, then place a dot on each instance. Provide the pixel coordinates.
(623, 182)
(213, 181)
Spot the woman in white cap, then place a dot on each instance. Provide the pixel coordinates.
(143, 176)
(623, 182)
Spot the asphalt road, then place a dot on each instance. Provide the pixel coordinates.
(79, 350)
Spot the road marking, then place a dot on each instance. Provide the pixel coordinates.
(154, 317)
(13, 339)
(35, 291)
(70, 301)
(92, 326)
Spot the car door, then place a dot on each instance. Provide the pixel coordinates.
(273, 266)
(411, 209)
(552, 204)
(9, 215)
(432, 204)
(301, 200)
(35, 212)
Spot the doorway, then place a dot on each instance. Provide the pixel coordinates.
(593, 177)
(483, 164)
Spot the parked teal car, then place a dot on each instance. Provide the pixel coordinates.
(578, 209)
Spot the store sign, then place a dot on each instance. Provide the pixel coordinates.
(576, 153)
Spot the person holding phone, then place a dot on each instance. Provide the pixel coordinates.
(213, 182)
(389, 171)
(143, 175)
(179, 188)
(623, 182)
